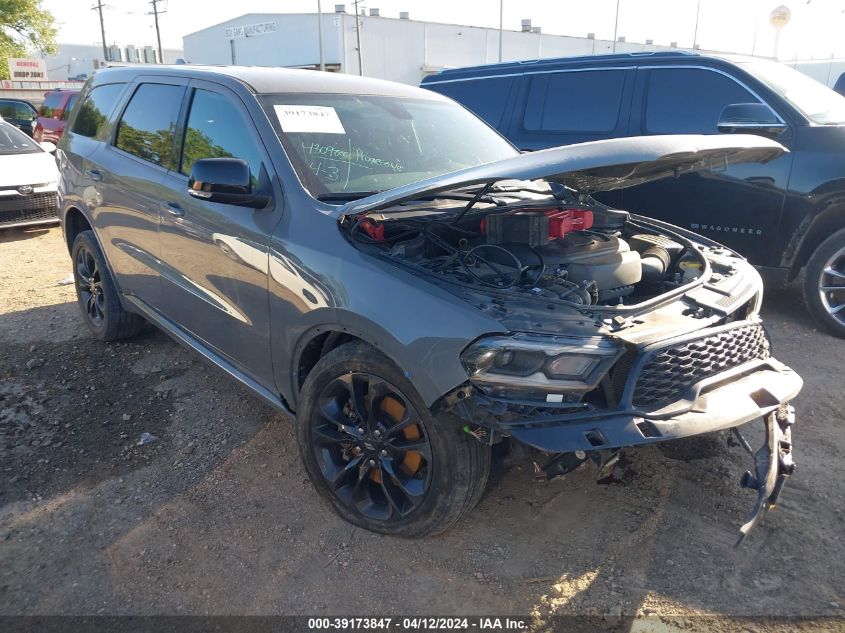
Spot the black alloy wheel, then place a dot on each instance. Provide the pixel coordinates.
(96, 293)
(371, 446)
(377, 453)
(89, 286)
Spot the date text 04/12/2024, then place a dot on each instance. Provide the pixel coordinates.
(418, 623)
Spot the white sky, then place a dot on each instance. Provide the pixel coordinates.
(815, 30)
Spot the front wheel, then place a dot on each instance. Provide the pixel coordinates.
(376, 454)
(824, 284)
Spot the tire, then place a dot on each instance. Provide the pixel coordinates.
(448, 474)
(97, 295)
(830, 257)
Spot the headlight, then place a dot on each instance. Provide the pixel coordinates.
(551, 364)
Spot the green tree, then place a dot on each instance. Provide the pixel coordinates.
(25, 28)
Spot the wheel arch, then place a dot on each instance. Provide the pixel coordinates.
(829, 219)
(316, 344)
(424, 361)
(74, 222)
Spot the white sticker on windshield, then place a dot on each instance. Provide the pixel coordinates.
(309, 119)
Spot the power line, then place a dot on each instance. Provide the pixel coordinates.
(155, 13)
(99, 7)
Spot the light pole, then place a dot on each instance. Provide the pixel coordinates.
(616, 26)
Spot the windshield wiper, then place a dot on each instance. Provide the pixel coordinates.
(449, 194)
(345, 196)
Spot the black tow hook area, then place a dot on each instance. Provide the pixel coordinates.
(563, 463)
(772, 465)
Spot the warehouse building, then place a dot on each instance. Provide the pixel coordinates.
(397, 49)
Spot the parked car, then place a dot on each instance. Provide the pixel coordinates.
(53, 114)
(375, 260)
(28, 178)
(19, 113)
(785, 215)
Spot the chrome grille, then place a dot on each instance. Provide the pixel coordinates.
(672, 370)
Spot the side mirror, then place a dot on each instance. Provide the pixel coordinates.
(224, 180)
(48, 147)
(750, 118)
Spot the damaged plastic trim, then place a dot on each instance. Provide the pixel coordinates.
(773, 464)
(579, 429)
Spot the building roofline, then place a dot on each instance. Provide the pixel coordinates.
(395, 19)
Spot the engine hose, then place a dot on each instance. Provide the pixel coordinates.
(655, 262)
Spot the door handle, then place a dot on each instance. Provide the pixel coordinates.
(174, 209)
(93, 174)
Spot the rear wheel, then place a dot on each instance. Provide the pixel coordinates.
(824, 284)
(374, 451)
(97, 295)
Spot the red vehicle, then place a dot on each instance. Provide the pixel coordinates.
(53, 114)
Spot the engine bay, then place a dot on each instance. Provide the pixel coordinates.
(586, 254)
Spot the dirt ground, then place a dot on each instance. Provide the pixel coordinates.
(216, 516)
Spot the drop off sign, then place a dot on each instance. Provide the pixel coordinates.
(27, 69)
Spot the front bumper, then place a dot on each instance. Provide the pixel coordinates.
(762, 389)
(730, 405)
(725, 401)
(38, 207)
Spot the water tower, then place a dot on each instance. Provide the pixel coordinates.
(779, 18)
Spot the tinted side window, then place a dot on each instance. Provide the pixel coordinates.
(15, 110)
(92, 118)
(583, 101)
(148, 123)
(840, 84)
(485, 97)
(51, 104)
(69, 107)
(216, 129)
(689, 100)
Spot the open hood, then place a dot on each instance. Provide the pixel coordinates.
(594, 166)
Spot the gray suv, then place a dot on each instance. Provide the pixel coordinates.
(379, 263)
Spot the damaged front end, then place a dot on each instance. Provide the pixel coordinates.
(621, 330)
(617, 395)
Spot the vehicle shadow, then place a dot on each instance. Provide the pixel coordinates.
(23, 233)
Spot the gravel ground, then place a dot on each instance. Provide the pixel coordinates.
(215, 514)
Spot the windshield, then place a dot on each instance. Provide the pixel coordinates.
(814, 100)
(13, 141)
(346, 146)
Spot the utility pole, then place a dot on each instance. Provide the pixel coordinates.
(501, 24)
(320, 33)
(99, 7)
(616, 26)
(358, 37)
(695, 34)
(155, 13)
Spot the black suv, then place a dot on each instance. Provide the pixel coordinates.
(19, 113)
(785, 215)
(377, 259)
